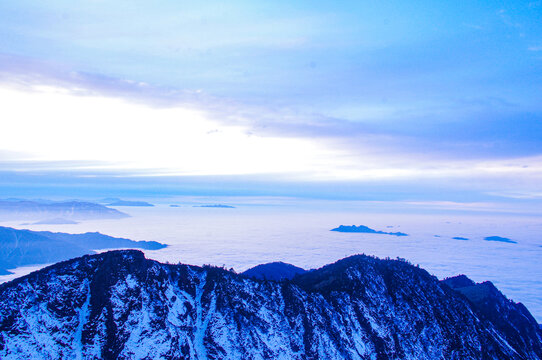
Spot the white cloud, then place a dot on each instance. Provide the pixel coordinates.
(77, 131)
(50, 124)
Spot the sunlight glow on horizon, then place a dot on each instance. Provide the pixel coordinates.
(97, 133)
(50, 124)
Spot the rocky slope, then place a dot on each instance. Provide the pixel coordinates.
(512, 318)
(119, 305)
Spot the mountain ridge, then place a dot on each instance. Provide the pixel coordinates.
(364, 230)
(39, 210)
(27, 247)
(120, 305)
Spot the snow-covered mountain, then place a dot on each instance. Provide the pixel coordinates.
(119, 305)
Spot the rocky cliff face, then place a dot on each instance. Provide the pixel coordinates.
(513, 319)
(120, 305)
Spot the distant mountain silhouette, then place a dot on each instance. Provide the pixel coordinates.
(364, 229)
(500, 239)
(70, 210)
(130, 203)
(216, 206)
(273, 271)
(25, 247)
(120, 202)
(55, 221)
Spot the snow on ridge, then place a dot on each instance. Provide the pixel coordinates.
(120, 305)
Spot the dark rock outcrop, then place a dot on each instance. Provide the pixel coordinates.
(274, 271)
(513, 318)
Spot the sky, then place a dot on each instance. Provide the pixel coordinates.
(396, 100)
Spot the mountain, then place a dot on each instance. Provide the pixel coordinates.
(25, 247)
(120, 202)
(220, 206)
(513, 318)
(119, 305)
(274, 271)
(70, 210)
(364, 229)
(459, 281)
(55, 221)
(500, 239)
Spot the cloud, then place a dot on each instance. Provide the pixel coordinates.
(58, 126)
(142, 129)
(339, 73)
(519, 195)
(411, 97)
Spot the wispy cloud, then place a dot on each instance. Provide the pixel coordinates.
(519, 195)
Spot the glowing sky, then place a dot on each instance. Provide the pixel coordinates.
(393, 95)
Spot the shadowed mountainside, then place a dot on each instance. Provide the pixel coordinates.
(273, 271)
(26, 247)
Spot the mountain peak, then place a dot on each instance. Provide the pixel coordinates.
(274, 271)
(458, 281)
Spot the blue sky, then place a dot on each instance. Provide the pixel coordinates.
(396, 93)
